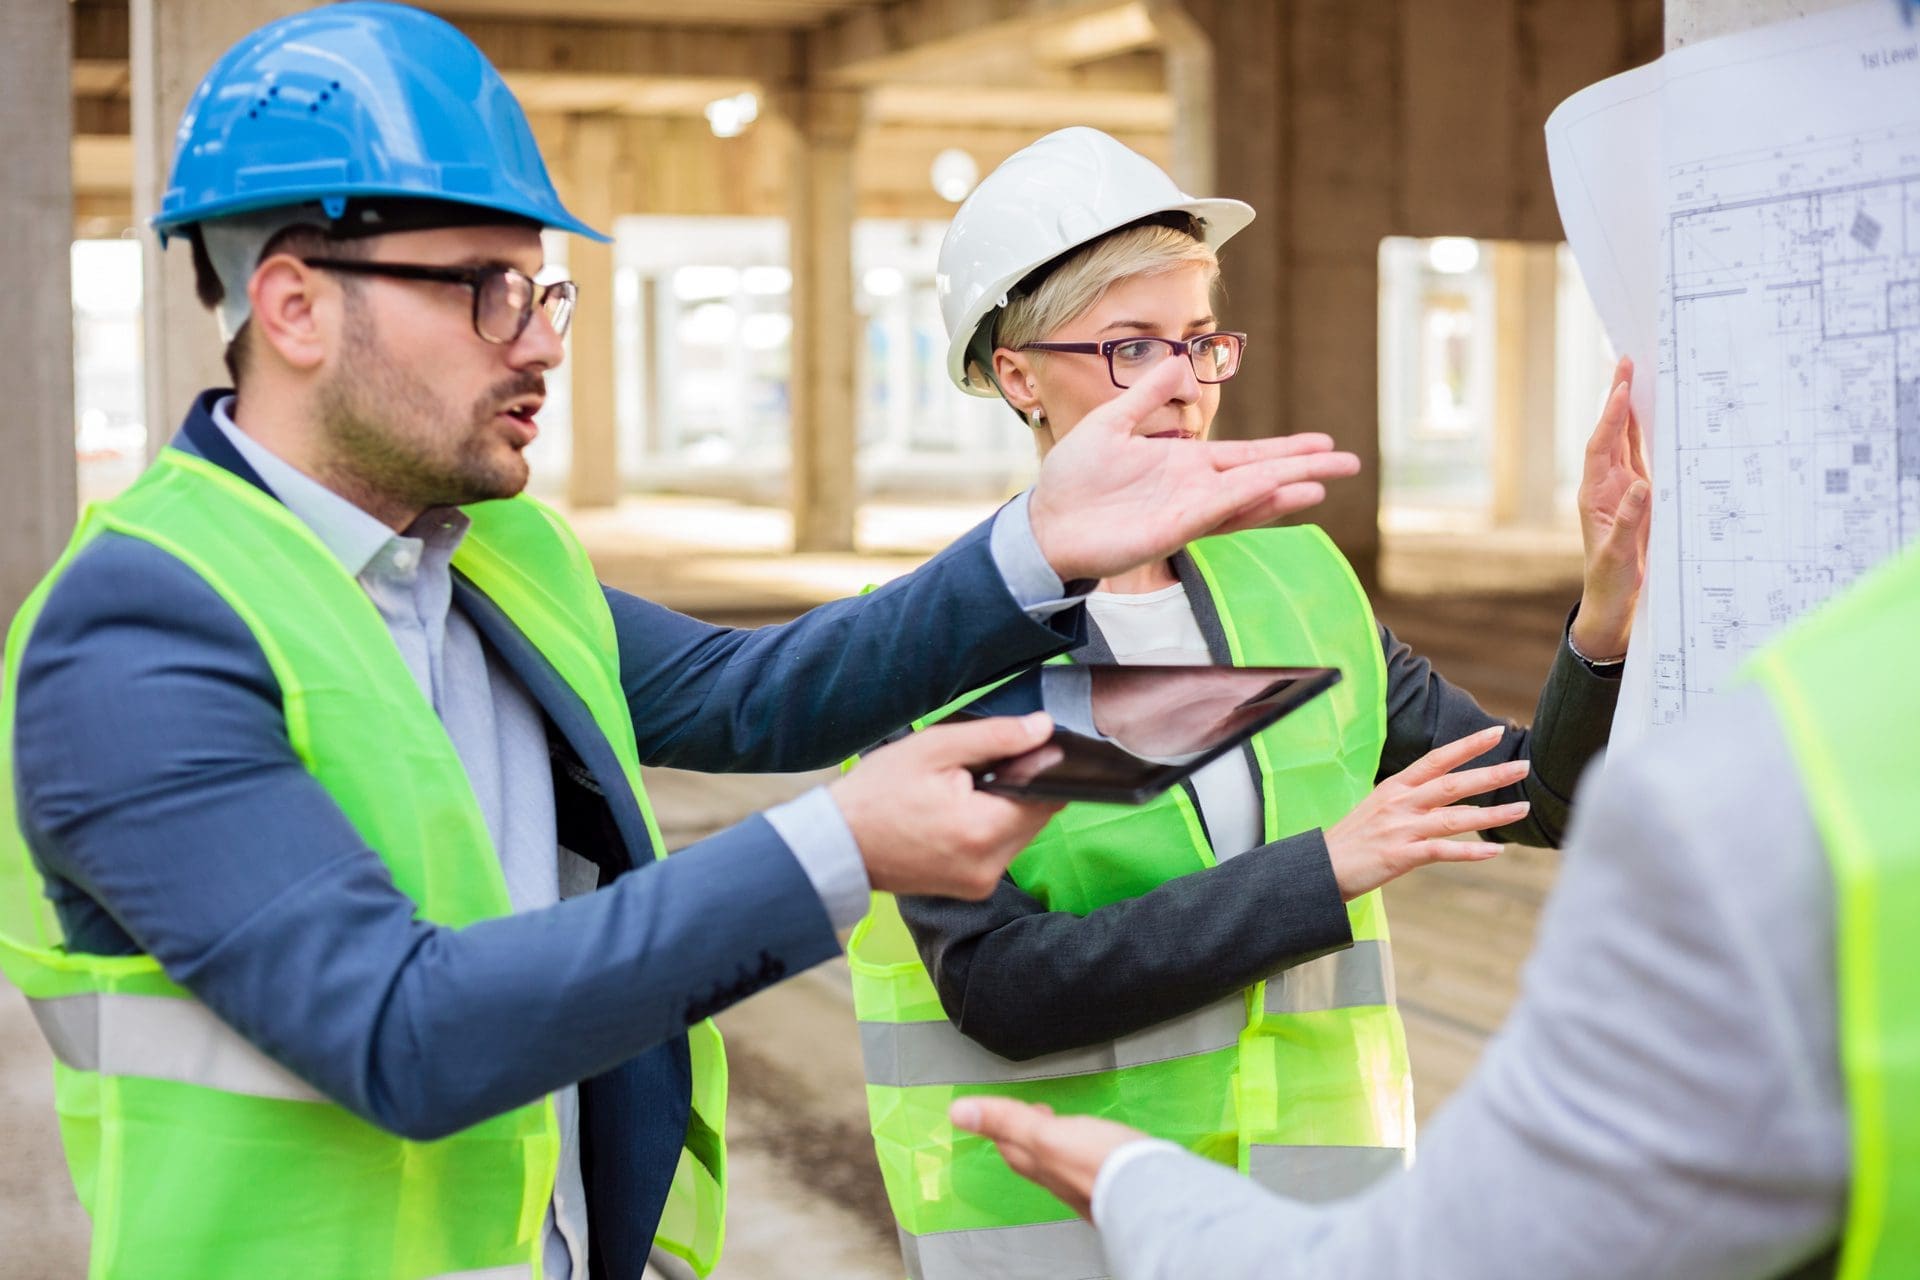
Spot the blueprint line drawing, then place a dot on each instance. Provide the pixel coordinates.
(1748, 213)
(1793, 348)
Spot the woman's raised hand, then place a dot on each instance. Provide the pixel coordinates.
(1615, 506)
(1404, 822)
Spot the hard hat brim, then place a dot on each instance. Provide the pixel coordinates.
(551, 217)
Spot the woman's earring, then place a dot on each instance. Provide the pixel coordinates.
(1037, 418)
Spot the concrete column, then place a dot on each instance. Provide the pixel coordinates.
(38, 477)
(1190, 73)
(1526, 303)
(173, 44)
(593, 155)
(825, 328)
(1343, 116)
(1248, 142)
(1691, 20)
(1305, 129)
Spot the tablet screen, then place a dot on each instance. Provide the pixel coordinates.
(1125, 733)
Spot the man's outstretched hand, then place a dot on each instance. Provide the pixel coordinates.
(1061, 1153)
(1110, 499)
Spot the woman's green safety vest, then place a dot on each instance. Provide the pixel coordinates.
(1843, 686)
(1301, 1082)
(196, 1155)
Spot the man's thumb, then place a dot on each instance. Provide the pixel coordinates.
(982, 741)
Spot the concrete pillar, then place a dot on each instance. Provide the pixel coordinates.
(1305, 129)
(1691, 20)
(37, 477)
(172, 45)
(820, 197)
(1189, 69)
(1526, 303)
(593, 154)
(1343, 117)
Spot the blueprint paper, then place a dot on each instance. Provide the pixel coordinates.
(1785, 296)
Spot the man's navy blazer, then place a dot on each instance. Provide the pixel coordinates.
(165, 808)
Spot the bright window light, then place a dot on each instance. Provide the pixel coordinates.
(883, 282)
(729, 117)
(1453, 255)
(766, 282)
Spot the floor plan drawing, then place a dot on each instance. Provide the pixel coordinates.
(1794, 355)
(1747, 212)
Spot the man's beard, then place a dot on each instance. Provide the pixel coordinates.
(393, 444)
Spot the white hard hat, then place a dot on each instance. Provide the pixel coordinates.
(1068, 189)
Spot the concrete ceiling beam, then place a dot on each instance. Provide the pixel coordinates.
(913, 39)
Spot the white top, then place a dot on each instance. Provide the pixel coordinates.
(1158, 629)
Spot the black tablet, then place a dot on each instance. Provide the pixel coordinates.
(1123, 734)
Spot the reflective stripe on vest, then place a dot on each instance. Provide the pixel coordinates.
(1316, 1175)
(1360, 975)
(905, 1055)
(162, 1038)
(518, 1271)
(1068, 1250)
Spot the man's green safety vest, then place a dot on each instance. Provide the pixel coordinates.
(197, 1156)
(1301, 1081)
(1843, 685)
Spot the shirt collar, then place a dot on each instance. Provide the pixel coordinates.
(354, 537)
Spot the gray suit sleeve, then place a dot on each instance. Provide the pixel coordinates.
(1570, 726)
(1665, 1099)
(1024, 981)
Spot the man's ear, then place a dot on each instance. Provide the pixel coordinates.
(1014, 371)
(295, 314)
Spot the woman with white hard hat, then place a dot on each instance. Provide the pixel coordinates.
(1211, 967)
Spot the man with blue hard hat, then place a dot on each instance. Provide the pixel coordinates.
(324, 859)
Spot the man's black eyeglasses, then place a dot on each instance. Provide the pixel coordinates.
(503, 298)
(1215, 356)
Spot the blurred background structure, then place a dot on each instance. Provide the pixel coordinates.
(756, 370)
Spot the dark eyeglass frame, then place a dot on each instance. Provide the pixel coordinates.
(557, 299)
(1176, 347)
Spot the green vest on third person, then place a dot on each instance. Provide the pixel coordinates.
(196, 1155)
(1843, 684)
(1301, 1082)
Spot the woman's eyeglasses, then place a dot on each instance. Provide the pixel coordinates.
(1215, 356)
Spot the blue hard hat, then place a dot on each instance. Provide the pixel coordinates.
(356, 101)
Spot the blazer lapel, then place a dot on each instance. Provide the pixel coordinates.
(564, 708)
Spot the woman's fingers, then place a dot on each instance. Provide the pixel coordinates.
(1637, 445)
(1444, 759)
(1628, 534)
(1457, 850)
(1606, 443)
(1460, 819)
(1451, 788)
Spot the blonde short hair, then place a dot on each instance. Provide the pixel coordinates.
(1084, 276)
